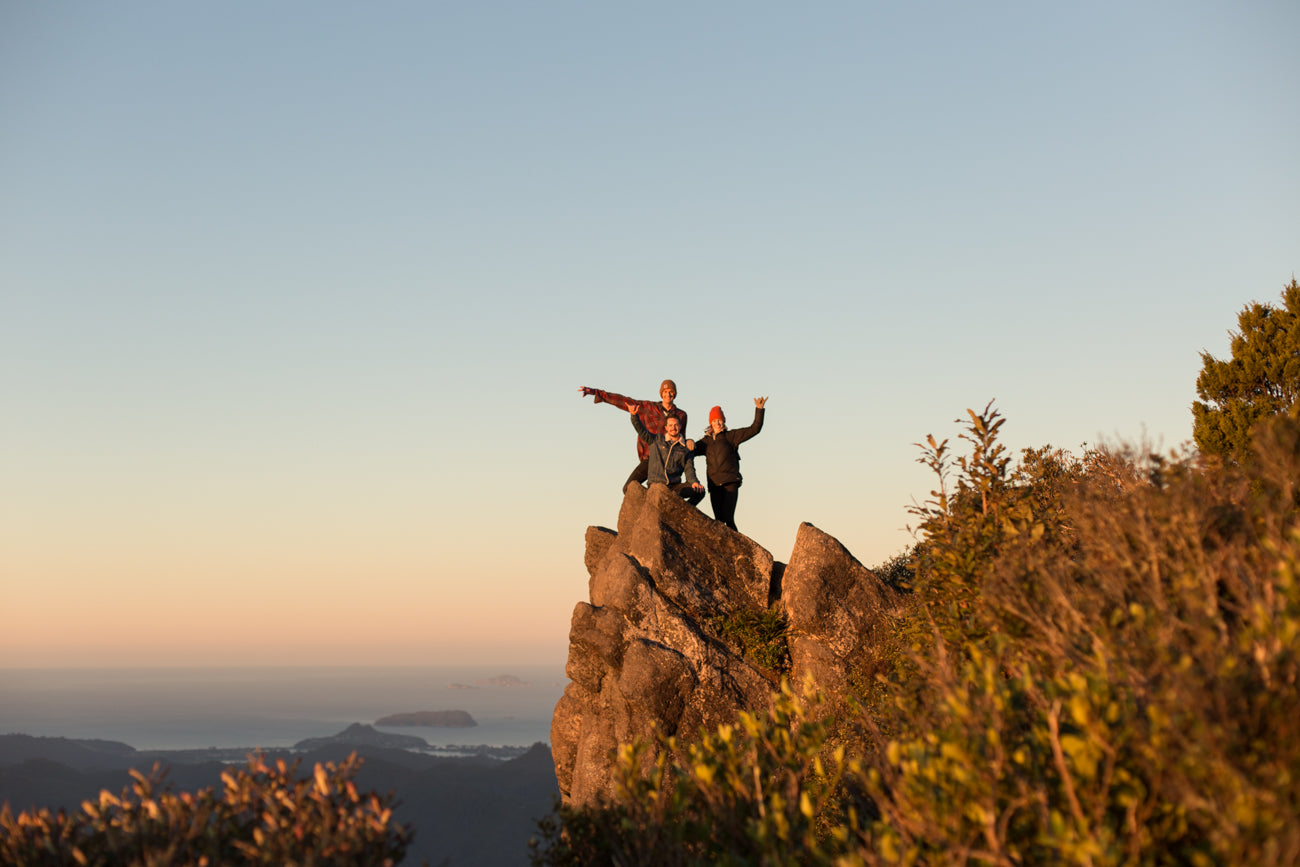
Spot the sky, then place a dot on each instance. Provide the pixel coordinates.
(296, 297)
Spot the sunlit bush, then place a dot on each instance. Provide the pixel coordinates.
(263, 814)
(756, 792)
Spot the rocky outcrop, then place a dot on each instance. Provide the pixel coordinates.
(835, 608)
(646, 652)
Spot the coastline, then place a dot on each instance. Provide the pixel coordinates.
(273, 708)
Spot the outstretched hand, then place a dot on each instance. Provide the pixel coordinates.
(583, 391)
(760, 402)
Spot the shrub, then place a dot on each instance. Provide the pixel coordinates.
(759, 636)
(756, 792)
(264, 814)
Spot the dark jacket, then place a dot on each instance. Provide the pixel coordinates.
(667, 459)
(722, 457)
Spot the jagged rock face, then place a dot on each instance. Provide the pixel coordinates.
(645, 651)
(834, 606)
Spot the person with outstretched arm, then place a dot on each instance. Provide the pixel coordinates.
(653, 414)
(668, 458)
(720, 447)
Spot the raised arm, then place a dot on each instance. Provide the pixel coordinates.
(740, 435)
(643, 434)
(609, 397)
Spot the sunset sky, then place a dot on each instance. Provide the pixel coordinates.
(296, 297)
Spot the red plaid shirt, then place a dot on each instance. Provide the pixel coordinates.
(651, 412)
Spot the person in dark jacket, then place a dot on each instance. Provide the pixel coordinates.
(720, 448)
(653, 414)
(669, 457)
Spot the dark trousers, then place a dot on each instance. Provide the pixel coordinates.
(639, 475)
(687, 493)
(682, 489)
(723, 500)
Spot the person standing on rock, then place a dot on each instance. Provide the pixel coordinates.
(668, 457)
(652, 413)
(720, 448)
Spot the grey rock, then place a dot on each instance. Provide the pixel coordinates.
(645, 656)
(835, 607)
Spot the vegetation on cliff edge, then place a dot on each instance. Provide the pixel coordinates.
(1097, 665)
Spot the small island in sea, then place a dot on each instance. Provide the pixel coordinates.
(458, 719)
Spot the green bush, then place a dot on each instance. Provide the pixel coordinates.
(756, 792)
(264, 814)
(759, 636)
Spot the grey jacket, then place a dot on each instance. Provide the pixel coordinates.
(668, 460)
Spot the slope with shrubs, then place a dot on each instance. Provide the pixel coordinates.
(1097, 666)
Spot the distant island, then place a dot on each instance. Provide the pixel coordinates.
(458, 719)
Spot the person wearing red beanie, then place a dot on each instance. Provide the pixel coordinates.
(720, 448)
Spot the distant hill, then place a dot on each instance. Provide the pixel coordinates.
(430, 718)
(79, 754)
(361, 735)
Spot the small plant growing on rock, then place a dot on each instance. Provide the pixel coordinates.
(759, 635)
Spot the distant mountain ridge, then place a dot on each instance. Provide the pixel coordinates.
(82, 754)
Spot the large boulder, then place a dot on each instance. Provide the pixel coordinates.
(645, 656)
(835, 608)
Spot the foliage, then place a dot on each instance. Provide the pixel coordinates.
(897, 572)
(264, 814)
(759, 635)
(1261, 379)
(1103, 667)
(756, 792)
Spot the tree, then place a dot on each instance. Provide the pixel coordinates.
(1261, 379)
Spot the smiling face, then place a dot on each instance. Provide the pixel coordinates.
(672, 428)
(668, 392)
(717, 425)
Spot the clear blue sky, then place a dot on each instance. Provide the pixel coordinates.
(295, 297)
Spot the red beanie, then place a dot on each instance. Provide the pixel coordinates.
(715, 414)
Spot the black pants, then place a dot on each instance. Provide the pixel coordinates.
(687, 493)
(681, 489)
(723, 500)
(639, 475)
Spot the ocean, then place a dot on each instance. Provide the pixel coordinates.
(196, 708)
